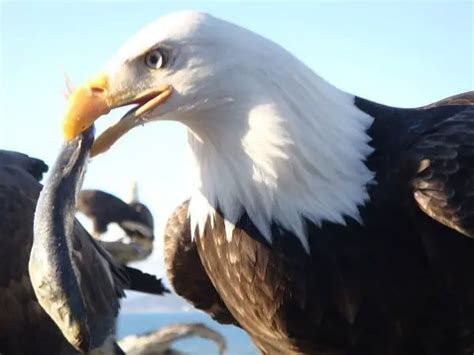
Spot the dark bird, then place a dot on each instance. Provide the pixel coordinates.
(327, 223)
(75, 280)
(134, 218)
(25, 328)
(104, 208)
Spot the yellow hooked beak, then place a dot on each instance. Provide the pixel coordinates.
(85, 104)
(94, 99)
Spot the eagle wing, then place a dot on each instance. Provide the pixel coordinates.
(443, 164)
(466, 98)
(185, 270)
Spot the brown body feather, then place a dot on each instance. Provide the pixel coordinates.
(185, 270)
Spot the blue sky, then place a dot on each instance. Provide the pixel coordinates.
(397, 53)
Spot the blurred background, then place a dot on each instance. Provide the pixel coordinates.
(407, 53)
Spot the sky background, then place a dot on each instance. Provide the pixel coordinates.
(399, 53)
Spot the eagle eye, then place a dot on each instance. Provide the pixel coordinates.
(156, 58)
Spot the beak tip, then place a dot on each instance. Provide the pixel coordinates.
(71, 127)
(68, 133)
(85, 105)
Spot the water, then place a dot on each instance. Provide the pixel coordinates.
(238, 342)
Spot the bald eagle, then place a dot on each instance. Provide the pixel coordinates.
(326, 223)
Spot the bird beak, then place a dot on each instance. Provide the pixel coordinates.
(114, 132)
(85, 104)
(96, 98)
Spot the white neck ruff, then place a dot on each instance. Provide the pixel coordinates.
(295, 152)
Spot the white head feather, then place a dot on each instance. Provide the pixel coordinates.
(269, 137)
